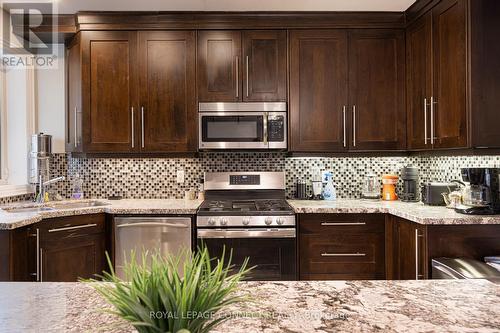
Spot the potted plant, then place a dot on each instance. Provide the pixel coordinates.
(155, 297)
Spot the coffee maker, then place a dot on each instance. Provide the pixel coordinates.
(482, 195)
(409, 175)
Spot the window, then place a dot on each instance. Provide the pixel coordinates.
(3, 121)
(16, 127)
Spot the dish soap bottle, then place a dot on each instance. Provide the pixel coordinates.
(77, 183)
(329, 192)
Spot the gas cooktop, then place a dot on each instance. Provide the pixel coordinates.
(246, 207)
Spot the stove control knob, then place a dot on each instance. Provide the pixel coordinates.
(211, 221)
(280, 220)
(223, 221)
(246, 221)
(268, 220)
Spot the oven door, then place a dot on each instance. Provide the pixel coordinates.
(271, 251)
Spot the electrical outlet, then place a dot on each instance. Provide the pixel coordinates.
(180, 176)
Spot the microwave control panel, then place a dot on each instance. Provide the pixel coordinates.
(276, 129)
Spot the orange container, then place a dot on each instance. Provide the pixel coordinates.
(389, 187)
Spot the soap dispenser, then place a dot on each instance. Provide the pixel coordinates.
(329, 192)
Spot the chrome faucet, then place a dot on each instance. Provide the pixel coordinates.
(40, 198)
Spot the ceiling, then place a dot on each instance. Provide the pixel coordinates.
(73, 6)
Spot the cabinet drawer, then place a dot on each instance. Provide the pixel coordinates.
(335, 223)
(72, 226)
(347, 255)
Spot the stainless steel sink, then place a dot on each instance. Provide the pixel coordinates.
(28, 209)
(76, 204)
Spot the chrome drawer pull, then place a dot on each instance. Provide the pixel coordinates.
(343, 254)
(73, 228)
(342, 223)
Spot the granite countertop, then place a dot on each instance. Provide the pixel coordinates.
(416, 212)
(10, 220)
(314, 306)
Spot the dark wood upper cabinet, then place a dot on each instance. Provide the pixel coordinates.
(74, 95)
(450, 74)
(318, 90)
(132, 92)
(376, 89)
(452, 65)
(167, 63)
(236, 66)
(264, 70)
(419, 82)
(109, 90)
(485, 73)
(219, 66)
(347, 90)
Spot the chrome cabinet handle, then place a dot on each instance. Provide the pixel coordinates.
(133, 134)
(76, 124)
(330, 224)
(265, 128)
(152, 224)
(142, 126)
(38, 276)
(354, 125)
(425, 120)
(345, 130)
(343, 254)
(237, 76)
(432, 120)
(41, 265)
(247, 73)
(83, 226)
(417, 250)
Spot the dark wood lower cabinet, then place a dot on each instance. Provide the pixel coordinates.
(407, 242)
(58, 250)
(413, 246)
(72, 248)
(341, 246)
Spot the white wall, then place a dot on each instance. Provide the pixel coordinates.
(51, 101)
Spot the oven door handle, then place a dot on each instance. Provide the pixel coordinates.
(247, 233)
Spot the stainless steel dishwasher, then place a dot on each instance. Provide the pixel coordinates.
(165, 235)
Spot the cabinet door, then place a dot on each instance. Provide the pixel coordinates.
(219, 66)
(411, 250)
(109, 90)
(318, 90)
(376, 89)
(71, 247)
(168, 97)
(264, 72)
(450, 74)
(74, 92)
(419, 82)
(71, 258)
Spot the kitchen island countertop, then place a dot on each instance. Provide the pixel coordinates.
(315, 306)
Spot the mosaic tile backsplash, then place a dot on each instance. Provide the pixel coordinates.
(156, 177)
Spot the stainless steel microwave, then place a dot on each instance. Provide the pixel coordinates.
(242, 126)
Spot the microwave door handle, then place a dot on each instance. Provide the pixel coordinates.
(265, 141)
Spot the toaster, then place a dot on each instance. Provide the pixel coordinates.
(432, 192)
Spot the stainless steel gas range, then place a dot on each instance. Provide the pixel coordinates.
(247, 212)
